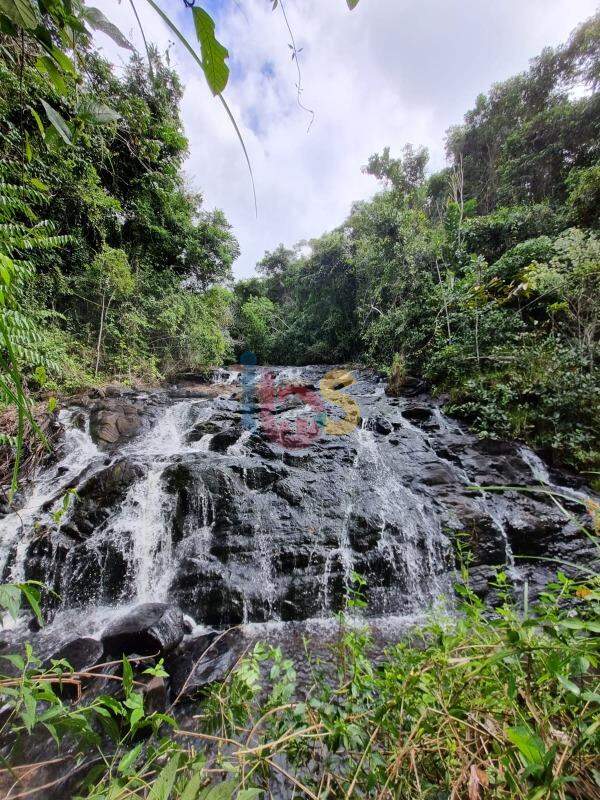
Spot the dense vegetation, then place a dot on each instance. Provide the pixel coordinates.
(137, 285)
(483, 278)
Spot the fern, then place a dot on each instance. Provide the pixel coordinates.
(21, 233)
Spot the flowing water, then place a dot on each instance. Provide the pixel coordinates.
(211, 507)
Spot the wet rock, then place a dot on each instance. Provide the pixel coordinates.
(147, 629)
(261, 476)
(436, 474)
(201, 429)
(98, 497)
(289, 491)
(418, 413)
(412, 386)
(155, 696)
(207, 592)
(112, 420)
(201, 661)
(224, 439)
(82, 654)
(380, 425)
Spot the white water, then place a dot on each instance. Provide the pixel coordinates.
(232, 531)
(80, 453)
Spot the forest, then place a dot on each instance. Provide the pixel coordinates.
(483, 278)
(368, 568)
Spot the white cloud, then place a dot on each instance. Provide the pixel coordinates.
(388, 73)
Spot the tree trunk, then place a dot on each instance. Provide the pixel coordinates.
(100, 333)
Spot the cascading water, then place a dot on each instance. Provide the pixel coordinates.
(211, 507)
(80, 456)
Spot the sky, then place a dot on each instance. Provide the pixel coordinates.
(387, 73)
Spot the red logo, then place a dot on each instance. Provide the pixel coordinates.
(299, 432)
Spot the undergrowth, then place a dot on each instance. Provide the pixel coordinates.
(475, 705)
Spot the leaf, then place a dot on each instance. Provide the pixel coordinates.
(352, 4)
(569, 685)
(99, 22)
(248, 794)
(129, 759)
(529, 744)
(191, 789)
(97, 113)
(46, 65)
(32, 596)
(162, 786)
(213, 52)
(127, 677)
(58, 122)
(10, 599)
(222, 791)
(22, 12)
(38, 122)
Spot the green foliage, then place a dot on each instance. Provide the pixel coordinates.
(255, 326)
(584, 195)
(213, 52)
(501, 230)
(473, 277)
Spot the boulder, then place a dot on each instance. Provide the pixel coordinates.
(147, 629)
(80, 653)
(224, 439)
(98, 496)
(203, 660)
(112, 420)
(418, 413)
(380, 425)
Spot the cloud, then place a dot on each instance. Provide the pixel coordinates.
(388, 73)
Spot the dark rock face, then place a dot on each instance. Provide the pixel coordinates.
(80, 653)
(150, 628)
(255, 507)
(98, 497)
(201, 661)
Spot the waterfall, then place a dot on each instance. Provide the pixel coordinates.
(80, 455)
(262, 529)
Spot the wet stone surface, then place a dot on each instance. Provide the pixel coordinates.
(251, 502)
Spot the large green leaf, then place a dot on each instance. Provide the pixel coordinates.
(94, 17)
(213, 52)
(352, 4)
(163, 785)
(96, 113)
(58, 122)
(529, 744)
(22, 12)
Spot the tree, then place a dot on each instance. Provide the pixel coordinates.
(569, 286)
(109, 277)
